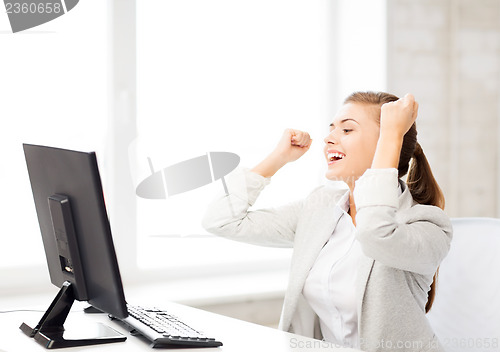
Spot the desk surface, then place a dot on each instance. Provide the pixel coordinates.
(236, 335)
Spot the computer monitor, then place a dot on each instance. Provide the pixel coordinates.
(77, 240)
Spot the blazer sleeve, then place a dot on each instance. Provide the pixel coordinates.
(415, 238)
(229, 215)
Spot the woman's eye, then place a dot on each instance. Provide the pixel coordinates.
(346, 130)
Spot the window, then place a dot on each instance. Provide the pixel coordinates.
(361, 46)
(53, 92)
(225, 76)
(230, 76)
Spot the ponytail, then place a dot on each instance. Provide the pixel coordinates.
(421, 182)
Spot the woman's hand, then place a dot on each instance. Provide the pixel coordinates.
(292, 145)
(396, 118)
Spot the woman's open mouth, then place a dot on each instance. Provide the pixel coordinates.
(334, 156)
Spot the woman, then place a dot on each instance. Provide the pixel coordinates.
(364, 260)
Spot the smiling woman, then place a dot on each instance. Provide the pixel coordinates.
(366, 256)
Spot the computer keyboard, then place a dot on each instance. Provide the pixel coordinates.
(164, 329)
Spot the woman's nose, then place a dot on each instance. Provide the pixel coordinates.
(330, 138)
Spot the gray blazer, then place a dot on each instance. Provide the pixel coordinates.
(403, 244)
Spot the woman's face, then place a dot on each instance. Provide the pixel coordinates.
(350, 145)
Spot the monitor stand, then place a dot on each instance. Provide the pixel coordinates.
(51, 333)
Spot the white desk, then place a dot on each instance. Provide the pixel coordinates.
(236, 335)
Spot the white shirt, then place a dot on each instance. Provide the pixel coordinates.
(330, 287)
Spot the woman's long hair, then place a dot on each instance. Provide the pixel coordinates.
(420, 180)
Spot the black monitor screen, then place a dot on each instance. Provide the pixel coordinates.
(56, 176)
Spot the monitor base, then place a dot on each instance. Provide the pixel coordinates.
(50, 331)
(98, 334)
